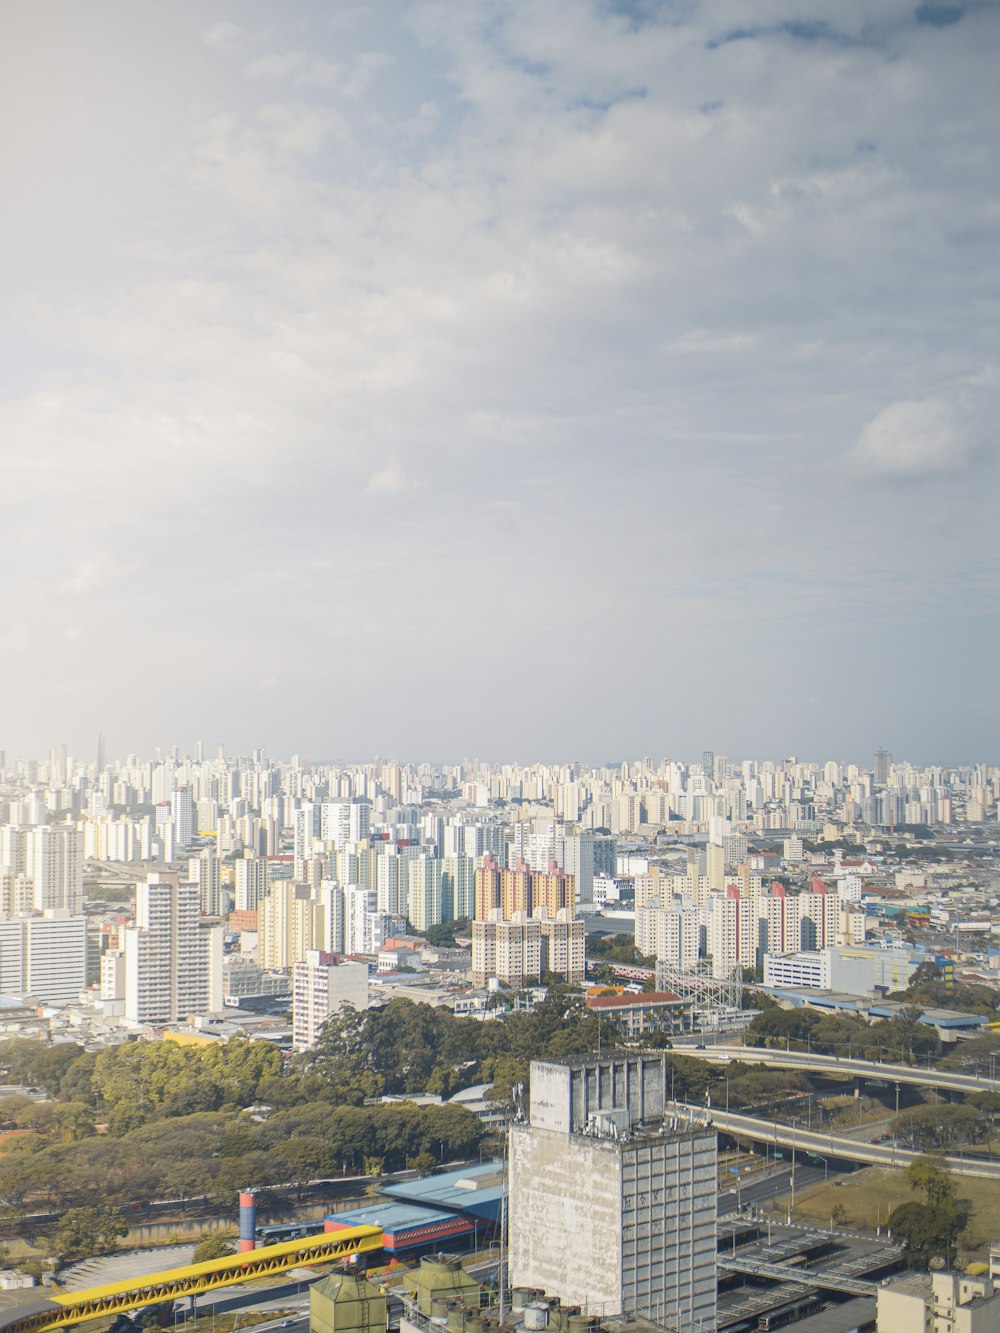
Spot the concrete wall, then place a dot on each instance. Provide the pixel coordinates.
(565, 1216)
(565, 1096)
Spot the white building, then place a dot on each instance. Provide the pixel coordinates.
(855, 970)
(321, 986)
(55, 864)
(44, 956)
(671, 933)
(173, 965)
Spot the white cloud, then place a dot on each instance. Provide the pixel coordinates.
(223, 36)
(296, 127)
(388, 480)
(96, 574)
(912, 438)
(298, 68)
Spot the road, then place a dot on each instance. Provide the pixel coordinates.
(772, 1186)
(833, 1064)
(825, 1144)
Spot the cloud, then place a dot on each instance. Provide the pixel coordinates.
(296, 127)
(298, 68)
(913, 438)
(388, 480)
(96, 574)
(223, 36)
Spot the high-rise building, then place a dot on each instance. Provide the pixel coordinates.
(321, 985)
(182, 814)
(612, 1201)
(289, 924)
(883, 763)
(251, 882)
(425, 901)
(173, 965)
(55, 864)
(669, 933)
(44, 957)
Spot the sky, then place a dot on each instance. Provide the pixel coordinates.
(533, 379)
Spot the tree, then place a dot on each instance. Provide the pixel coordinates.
(933, 1180)
(424, 1163)
(213, 1246)
(90, 1230)
(925, 1233)
(942, 1125)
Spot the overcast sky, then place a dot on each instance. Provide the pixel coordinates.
(536, 379)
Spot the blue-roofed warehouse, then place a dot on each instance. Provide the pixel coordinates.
(405, 1226)
(473, 1191)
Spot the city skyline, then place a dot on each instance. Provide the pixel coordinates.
(373, 378)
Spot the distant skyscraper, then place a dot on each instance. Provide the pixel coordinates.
(182, 814)
(883, 762)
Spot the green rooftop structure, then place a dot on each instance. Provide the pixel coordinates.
(441, 1278)
(346, 1303)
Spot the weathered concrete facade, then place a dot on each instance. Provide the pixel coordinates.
(612, 1207)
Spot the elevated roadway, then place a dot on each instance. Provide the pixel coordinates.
(813, 1063)
(825, 1145)
(190, 1280)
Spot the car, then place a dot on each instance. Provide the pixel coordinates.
(878, 1139)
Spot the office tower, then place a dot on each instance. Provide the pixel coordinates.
(55, 956)
(173, 965)
(883, 762)
(320, 987)
(612, 1205)
(289, 924)
(708, 765)
(55, 864)
(100, 754)
(182, 816)
(44, 957)
(424, 898)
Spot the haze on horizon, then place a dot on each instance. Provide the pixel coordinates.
(529, 378)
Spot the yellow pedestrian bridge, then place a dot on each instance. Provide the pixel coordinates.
(40, 1314)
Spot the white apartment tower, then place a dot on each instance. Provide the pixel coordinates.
(321, 986)
(173, 965)
(55, 864)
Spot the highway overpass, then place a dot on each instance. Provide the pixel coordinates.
(825, 1146)
(813, 1063)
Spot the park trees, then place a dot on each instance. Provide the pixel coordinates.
(90, 1230)
(929, 1229)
